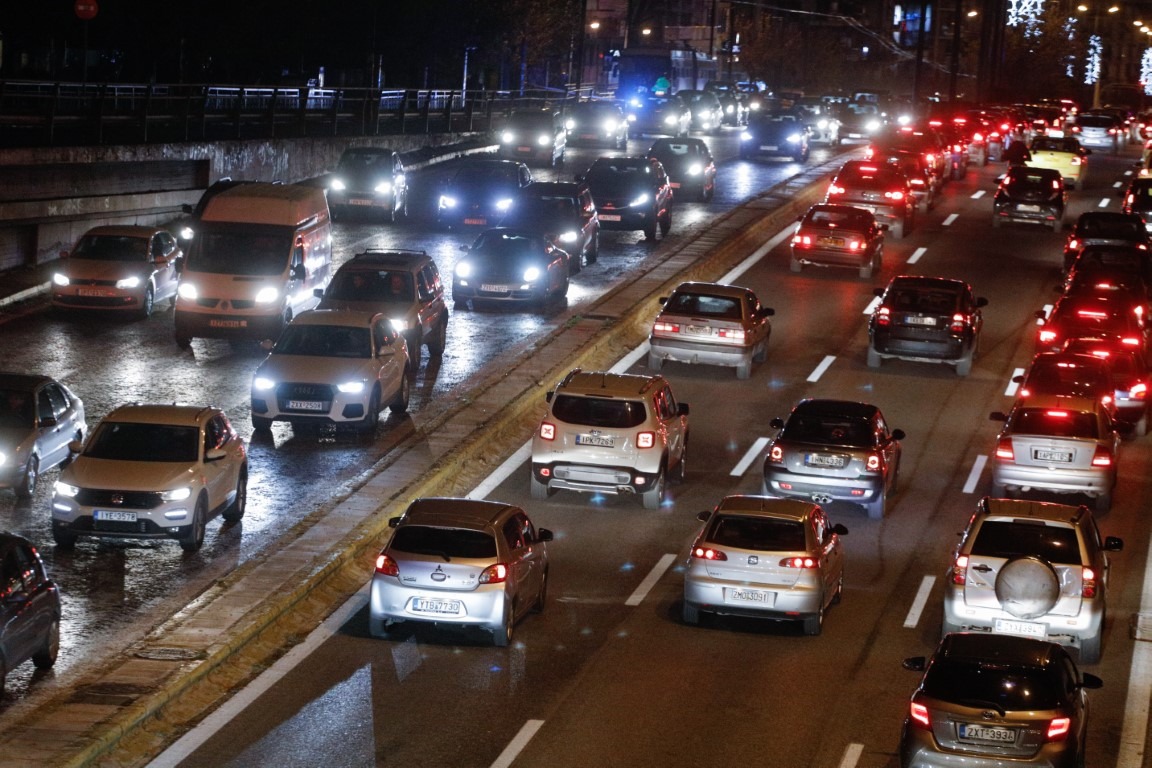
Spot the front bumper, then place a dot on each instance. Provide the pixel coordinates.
(171, 520)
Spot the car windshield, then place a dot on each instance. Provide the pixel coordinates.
(669, 150)
(618, 173)
(599, 411)
(529, 210)
(481, 175)
(229, 251)
(868, 177)
(1055, 422)
(1024, 538)
(444, 542)
(362, 162)
(1050, 144)
(1111, 228)
(505, 245)
(371, 285)
(531, 122)
(111, 248)
(1009, 687)
(829, 430)
(16, 408)
(758, 533)
(324, 341)
(704, 305)
(130, 441)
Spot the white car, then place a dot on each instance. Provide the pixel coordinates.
(332, 367)
(152, 472)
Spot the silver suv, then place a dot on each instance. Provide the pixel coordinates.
(610, 433)
(1031, 568)
(405, 285)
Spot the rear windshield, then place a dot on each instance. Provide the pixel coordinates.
(598, 411)
(1053, 422)
(851, 218)
(129, 441)
(829, 430)
(1009, 687)
(1020, 538)
(919, 300)
(446, 542)
(1095, 121)
(1056, 145)
(766, 535)
(703, 305)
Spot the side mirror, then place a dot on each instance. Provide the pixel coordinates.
(187, 208)
(543, 534)
(663, 300)
(64, 254)
(318, 292)
(75, 446)
(878, 291)
(898, 434)
(1018, 379)
(981, 302)
(267, 345)
(1040, 314)
(215, 454)
(839, 529)
(767, 312)
(393, 522)
(548, 396)
(682, 410)
(704, 516)
(776, 423)
(998, 416)
(1090, 681)
(914, 663)
(1113, 543)
(465, 248)
(578, 177)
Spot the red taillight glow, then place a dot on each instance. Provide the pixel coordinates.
(897, 195)
(959, 322)
(547, 431)
(835, 190)
(707, 553)
(735, 334)
(386, 566)
(855, 245)
(1102, 458)
(1138, 391)
(494, 574)
(802, 241)
(1073, 245)
(1087, 582)
(873, 462)
(645, 439)
(776, 455)
(1130, 341)
(919, 715)
(960, 570)
(663, 326)
(800, 562)
(1047, 336)
(883, 315)
(1004, 449)
(1058, 728)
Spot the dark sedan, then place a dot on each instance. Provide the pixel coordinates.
(507, 264)
(369, 180)
(775, 136)
(690, 166)
(481, 192)
(563, 211)
(839, 236)
(659, 116)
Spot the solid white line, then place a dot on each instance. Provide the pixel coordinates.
(872, 305)
(978, 194)
(916, 254)
(512, 751)
(650, 580)
(918, 603)
(951, 218)
(502, 472)
(758, 254)
(749, 457)
(816, 374)
(1135, 729)
(630, 359)
(1013, 385)
(1047, 309)
(974, 474)
(851, 756)
(1103, 203)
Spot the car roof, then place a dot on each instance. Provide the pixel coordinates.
(997, 649)
(1047, 174)
(22, 381)
(143, 413)
(372, 259)
(336, 317)
(606, 384)
(828, 407)
(476, 514)
(714, 289)
(797, 510)
(1026, 509)
(368, 151)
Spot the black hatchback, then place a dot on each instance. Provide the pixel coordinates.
(926, 319)
(1031, 195)
(29, 608)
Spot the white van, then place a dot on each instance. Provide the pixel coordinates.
(260, 251)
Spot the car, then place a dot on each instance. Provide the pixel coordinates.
(1031, 568)
(1061, 154)
(765, 558)
(1102, 131)
(956, 140)
(838, 236)
(1030, 195)
(610, 433)
(712, 324)
(821, 119)
(988, 701)
(563, 211)
(505, 264)
(152, 472)
(332, 367)
(707, 114)
(631, 193)
(659, 116)
(926, 185)
(39, 418)
(689, 165)
(926, 319)
(535, 136)
(1124, 271)
(1108, 228)
(30, 608)
(733, 101)
(834, 450)
(860, 121)
(597, 123)
(369, 180)
(1138, 201)
(1068, 374)
(118, 268)
(481, 192)
(1096, 315)
(1057, 444)
(405, 285)
(774, 136)
(457, 562)
(923, 141)
(881, 190)
(1129, 371)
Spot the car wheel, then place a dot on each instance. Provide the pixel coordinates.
(539, 490)
(794, 264)
(998, 490)
(1091, 647)
(235, 511)
(655, 362)
(594, 250)
(682, 465)
(690, 614)
(439, 338)
(261, 423)
(1103, 502)
(400, 403)
(148, 302)
(194, 539)
(652, 499)
(761, 353)
(877, 508)
(64, 539)
(27, 485)
(542, 595)
(45, 655)
(1027, 587)
(873, 358)
(1058, 224)
(367, 425)
(815, 623)
(744, 369)
(502, 635)
(836, 598)
(650, 231)
(666, 223)
(183, 342)
(964, 364)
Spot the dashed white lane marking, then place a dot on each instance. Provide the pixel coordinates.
(978, 194)
(650, 580)
(516, 746)
(872, 305)
(948, 221)
(851, 756)
(918, 603)
(749, 457)
(1104, 202)
(974, 474)
(816, 374)
(1010, 390)
(916, 254)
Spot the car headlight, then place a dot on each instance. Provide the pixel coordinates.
(188, 291)
(703, 115)
(3, 458)
(176, 494)
(570, 124)
(66, 490)
(609, 125)
(507, 137)
(729, 109)
(872, 126)
(464, 269)
(447, 201)
(745, 136)
(60, 279)
(399, 324)
(568, 237)
(351, 387)
(128, 282)
(671, 120)
(793, 139)
(187, 233)
(337, 185)
(503, 205)
(822, 124)
(383, 187)
(262, 383)
(267, 295)
(639, 200)
(755, 106)
(695, 169)
(544, 140)
(531, 274)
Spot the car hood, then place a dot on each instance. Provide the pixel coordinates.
(93, 269)
(111, 474)
(13, 439)
(313, 369)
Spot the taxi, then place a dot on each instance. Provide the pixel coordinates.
(1062, 154)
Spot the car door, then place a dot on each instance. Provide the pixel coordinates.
(219, 474)
(389, 359)
(675, 425)
(164, 253)
(889, 448)
(21, 623)
(831, 556)
(55, 430)
(521, 562)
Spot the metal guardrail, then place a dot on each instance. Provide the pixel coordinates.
(75, 114)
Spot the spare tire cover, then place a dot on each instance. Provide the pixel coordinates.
(1027, 587)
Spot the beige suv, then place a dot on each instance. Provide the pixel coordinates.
(405, 285)
(610, 433)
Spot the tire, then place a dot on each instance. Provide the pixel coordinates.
(654, 498)
(542, 595)
(183, 342)
(761, 353)
(65, 540)
(814, 624)
(690, 614)
(964, 364)
(27, 486)
(1103, 502)
(400, 403)
(655, 362)
(539, 490)
(666, 224)
(234, 512)
(148, 303)
(744, 370)
(794, 264)
(836, 598)
(873, 358)
(261, 423)
(367, 425)
(650, 231)
(195, 537)
(45, 655)
(1091, 648)
(1027, 587)
(877, 508)
(378, 628)
(996, 221)
(594, 251)
(502, 635)
(438, 340)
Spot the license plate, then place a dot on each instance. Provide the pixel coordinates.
(1044, 455)
(227, 323)
(600, 441)
(442, 607)
(115, 516)
(1028, 208)
(475, 221)
(674, 184)
(987, 733)
(916, 320)
(1025, 628)
(305, 405)
(609, 217)
(93, 292)
(751, 596)
(768, 147)
(697, 330)
(836, 241)
(523, 149)
(824, 460)
(493, 288)
(359, 201)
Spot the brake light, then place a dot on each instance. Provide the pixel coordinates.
(1138, 391)
(1055, 184)
(870, 153)
(1056, 414)
(1103, 457)
(663, 326)
(930, 158)
(868, 169)
(802, 241)
(1131, 341)
(1073, 245)
(547, 431)
(977, 137)
(1004, 449)
(386, 566)
(883, 315)
(735, 334)
(494, 574)
(959, 322)
(1047, 336)
(855, 245)
(645, 439)
(919, 715)
(960, 570)
(776, 455)
(835, 190)
(897, 195)
(1087, 582)
(917, 182)
(707, 553)
(873, 462)
(800, 562)
(1058, 728)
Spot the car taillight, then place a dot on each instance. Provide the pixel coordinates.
(1077, 161)
(916, 182)
(835, 190)
(1047, 336)
(855, 245)
(386, 566)
(919, 715)
(800, 562)
(496, 573)
(736, 334)
(960, 570)
(930, 158)
(1073, 245)
(959, 323)
(776, 454)
(883, 315)
(707, 553)
(1058, 728)
(897, 195)
(664, 326)
(872, 464)
(1138, 391)
(1087, 582)
(1130, 341)
(645, 439)
(1102, 458)
(547, 431)
(977, 137)
(801, 240)
(1004, 449)
(869, 153)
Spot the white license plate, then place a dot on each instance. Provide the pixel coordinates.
(759, 596)
(836, 241)
(987, 733)
(475, 221)
(914, 320)
(1025, 628)
(441, 607)
(1043, 455)
(609, 217)
(600, 441)
(1028, 208)
(494, 288)
(824, 460)
(115, 516)
(697, 330)
(305, 405)
(93, 292)
(227, 323)
(768, 147)
(359, 201)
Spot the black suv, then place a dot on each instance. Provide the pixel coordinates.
(1104, 228)
(1032, 195)
(564, 212)
(631, 193)
(926, 319)
(369, 180)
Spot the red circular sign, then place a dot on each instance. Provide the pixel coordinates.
(86, 9)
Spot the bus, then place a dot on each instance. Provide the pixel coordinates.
(685, 69)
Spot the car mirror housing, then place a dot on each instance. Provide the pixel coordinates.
(898, 434)
(1091, 681)
(543, 534)
(914, 663)
(215, 454)
(682, 410)
(998, 416)
(1113, 543)
(704, 516)
(839, 529)
(776, 423)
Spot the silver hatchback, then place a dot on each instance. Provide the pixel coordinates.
(460, 562)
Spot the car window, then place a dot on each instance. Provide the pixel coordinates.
(16, 409)
(1012, 688)
(599, 412)
(704, 305)
(129, 441)
(1012, 538)
(12, 572)
(829, 430)
(444, 542)
(513, 534)
(757, 533)
(1056, 422)
(324, 341)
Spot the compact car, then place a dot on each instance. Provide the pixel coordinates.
(597, 123)
(631, 193)
(707, 113)
(369, 180)
(564, 212)
(332, 367)
(1095, 314)
(659, 116)
(1130, 376)
(511, 265)
(534, 136)
(1138, 200)
(39, 418)
(455, 562)
(1102, 131)
(689, 164)
(760, 557)
(922, 141)
(881, 190)
(833, 235)
(1070, 375)
(152, 472)
(775, 136)
(711, 324)
(30, 608)
(119, 268)
(1063, 154)
(610, 433)
(1030, 195)
(834, 450)
(926, 319)
(481, 192)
